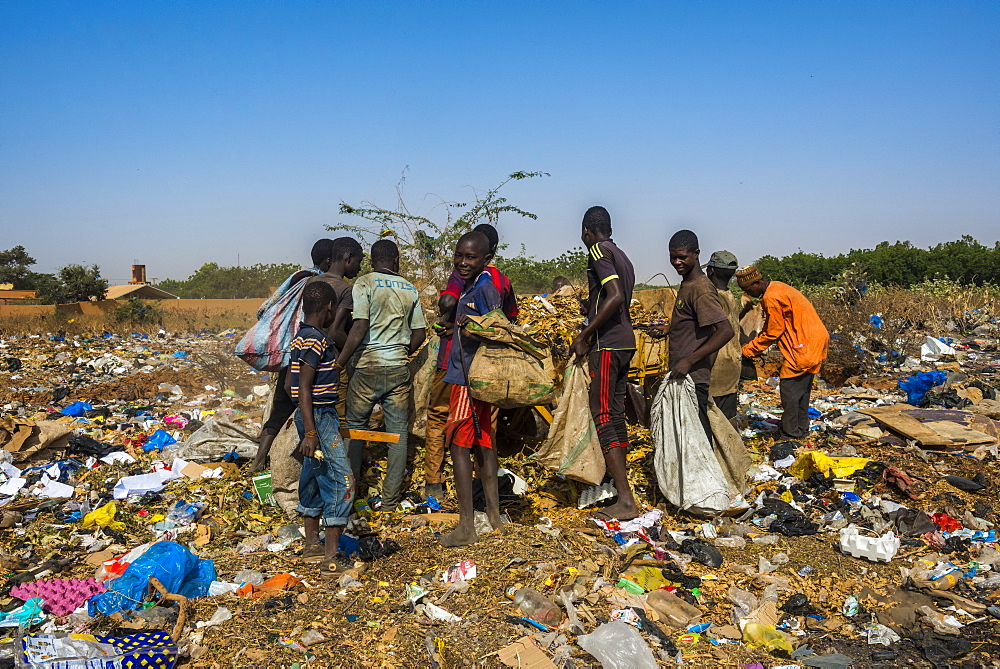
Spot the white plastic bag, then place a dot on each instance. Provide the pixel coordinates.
(686, 465)
(618, 646)
(932, 349)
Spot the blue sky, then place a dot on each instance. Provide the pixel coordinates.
(180, 133)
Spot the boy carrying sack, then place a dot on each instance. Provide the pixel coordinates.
(469, 427)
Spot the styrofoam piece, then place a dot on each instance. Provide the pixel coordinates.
(594, 494)
(876, 549)
(60, 597)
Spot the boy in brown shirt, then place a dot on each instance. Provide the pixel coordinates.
(699, 326)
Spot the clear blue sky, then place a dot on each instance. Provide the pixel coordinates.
(178, 133)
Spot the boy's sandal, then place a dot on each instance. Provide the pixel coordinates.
(337, 564)
(313, 554)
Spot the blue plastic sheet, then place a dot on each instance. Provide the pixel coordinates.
(179, 570)
(158, 440)
(917, 386)
(76, 409)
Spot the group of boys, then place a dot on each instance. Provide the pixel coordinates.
(376, 324)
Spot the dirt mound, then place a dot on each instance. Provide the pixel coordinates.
(142, 386)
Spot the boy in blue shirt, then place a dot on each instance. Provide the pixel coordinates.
(469, 427)
(326, 485)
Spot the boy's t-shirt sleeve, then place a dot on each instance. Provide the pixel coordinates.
(486, 296)
(600, 262)
(361, 300)
(416, 316)
(709, 309)
(310, 351)
(454, 287)
(345, 300)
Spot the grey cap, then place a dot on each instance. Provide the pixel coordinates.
(723, 260)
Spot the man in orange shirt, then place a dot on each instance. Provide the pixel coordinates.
(792, 322)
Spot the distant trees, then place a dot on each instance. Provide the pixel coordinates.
(965, 261)
(212, 280)
(73, 283)
(14, 264)
(530, 275)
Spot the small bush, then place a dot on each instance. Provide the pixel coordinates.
(138, 312)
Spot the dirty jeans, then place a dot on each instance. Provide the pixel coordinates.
(795, 405)
(437, 416)
(326, 486)
(390, 387)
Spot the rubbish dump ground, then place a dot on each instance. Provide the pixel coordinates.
(870, 543)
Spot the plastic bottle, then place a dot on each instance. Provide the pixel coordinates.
(674, 610)
(183, 513)
(536, 606)
(730, 542)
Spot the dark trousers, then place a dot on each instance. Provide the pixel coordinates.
(795, 405)
(728, 404)
(701, 392)
(283, 406)
(608, 376)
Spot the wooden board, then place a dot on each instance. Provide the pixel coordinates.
(369, 435)
(927, 433)
(959, 434)
(893, 418)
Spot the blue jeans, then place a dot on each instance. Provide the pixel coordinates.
(390, 387)
(326, 487)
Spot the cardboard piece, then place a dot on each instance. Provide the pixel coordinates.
(99, 558)
(25, 438)
(526, 654)
(369, 435)
(928, 427)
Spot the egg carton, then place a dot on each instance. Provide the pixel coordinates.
(60, 597)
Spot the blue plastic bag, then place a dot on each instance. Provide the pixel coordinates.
(876, 321)
(158, 440)
(76, 409)
(917, 386)
(814, 413)
(178, 569)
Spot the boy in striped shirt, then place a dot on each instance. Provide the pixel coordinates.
(326, 485)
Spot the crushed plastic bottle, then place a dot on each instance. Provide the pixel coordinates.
(851, 606)
(536, 606)
(730, 542)
(184, 513)
(249, 576)
(672, 609)
(805, 571)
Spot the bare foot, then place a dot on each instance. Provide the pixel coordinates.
(620, 511)
(496, 522)
(460, 536)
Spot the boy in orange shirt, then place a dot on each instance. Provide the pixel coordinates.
(792, 322)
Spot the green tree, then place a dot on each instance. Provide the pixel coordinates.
(74, 283)
(426, 242)
(14, 264)
(530, 275)
(212, 281)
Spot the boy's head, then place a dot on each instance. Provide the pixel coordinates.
(322, 251)
(317, 303)
(559, 282)
(751, 281)
(491, 235)
(684, 251)
(385, 255)
(348, 253)
(596, 226)
(472, 254)
(721, 267)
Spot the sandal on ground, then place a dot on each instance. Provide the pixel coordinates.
(312, 554)
(337, 564)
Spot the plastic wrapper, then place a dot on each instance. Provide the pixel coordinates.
(618, 646)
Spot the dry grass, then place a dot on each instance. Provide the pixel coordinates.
(938, 308)
(180, 322)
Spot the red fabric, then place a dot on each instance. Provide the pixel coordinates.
(460, 429)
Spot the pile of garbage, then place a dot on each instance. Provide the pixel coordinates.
(133, 531)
